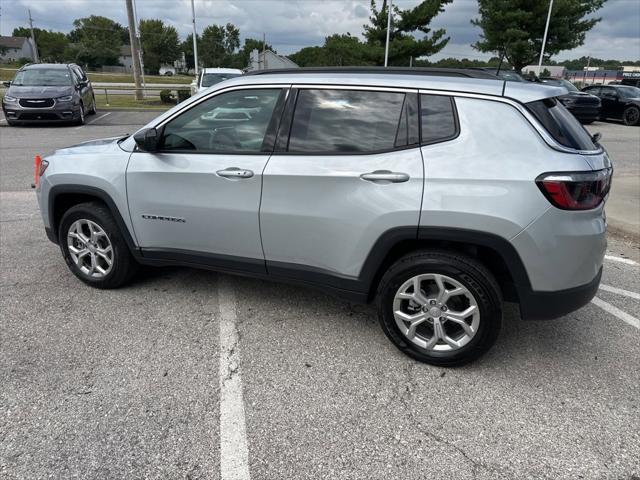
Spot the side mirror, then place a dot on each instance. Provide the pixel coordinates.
(147, 139)
(7, 83)
(595, 138)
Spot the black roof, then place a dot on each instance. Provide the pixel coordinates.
(440, 72)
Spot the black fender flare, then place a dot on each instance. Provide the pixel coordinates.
(66, 189)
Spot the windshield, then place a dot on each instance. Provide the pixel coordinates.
(629, 92)
(209, 79)
(560, 83)
(43, 77)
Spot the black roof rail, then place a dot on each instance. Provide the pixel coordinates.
(425, 71)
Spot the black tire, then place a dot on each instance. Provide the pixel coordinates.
(124, 265)
(93, 110)
(474, 276)
(13, 123)
(631, 116)
(81, 118)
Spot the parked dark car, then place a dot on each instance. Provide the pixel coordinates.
(621, 102)
(584, 106)
(48, 92)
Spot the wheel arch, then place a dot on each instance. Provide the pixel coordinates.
(63, 197)
(495, 252)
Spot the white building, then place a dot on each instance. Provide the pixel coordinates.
(13, 49)
(266, 60)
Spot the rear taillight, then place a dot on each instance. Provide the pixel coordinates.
(575, 190)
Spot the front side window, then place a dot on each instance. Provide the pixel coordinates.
(437, 118)
(346, 121)
(232, 122)
(629, 92)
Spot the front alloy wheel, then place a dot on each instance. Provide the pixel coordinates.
(93, 246)
(90, 248)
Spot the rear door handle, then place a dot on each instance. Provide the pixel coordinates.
(235, 172)
(385, 176)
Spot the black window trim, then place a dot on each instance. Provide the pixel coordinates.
(456, 121)
(270, 133)
(284, 133)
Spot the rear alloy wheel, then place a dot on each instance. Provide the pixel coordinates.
(631, 116)
(441, 308)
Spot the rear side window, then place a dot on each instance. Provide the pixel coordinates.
(561, 124)
(437, 118)
(347, 121)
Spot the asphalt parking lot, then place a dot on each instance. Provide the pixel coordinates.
(197, 375)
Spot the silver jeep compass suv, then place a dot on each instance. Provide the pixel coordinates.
(437, 194)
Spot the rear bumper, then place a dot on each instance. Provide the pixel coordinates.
(548, 305)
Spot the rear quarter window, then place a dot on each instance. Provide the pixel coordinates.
(561, 124)
(437, 118)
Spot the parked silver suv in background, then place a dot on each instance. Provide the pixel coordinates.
(436, 193)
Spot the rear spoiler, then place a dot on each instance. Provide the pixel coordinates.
(526, 92)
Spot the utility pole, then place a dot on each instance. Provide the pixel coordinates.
(135, 19)
(134, 49)
(544, 39)
(195, 36)
(36, 57)
(386, 47)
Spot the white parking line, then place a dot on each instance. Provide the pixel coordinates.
(234, 454)
(628, 261)
(94, 120)
(624, 316)
(620, 291)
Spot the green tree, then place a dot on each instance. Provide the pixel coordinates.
(309, 57)
(409, 36)
(345, 50)
(96, 40)
(219, 43)
(338, 50)
(51, 45)
(515, 28)
(187, 47)
(160, 44)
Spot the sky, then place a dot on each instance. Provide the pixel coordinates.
(293, 24)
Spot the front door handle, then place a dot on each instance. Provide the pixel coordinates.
(235, 172)
(385, 176)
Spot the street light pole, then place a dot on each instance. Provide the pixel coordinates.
(544, 39)
(195, 36)
(386, 47)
